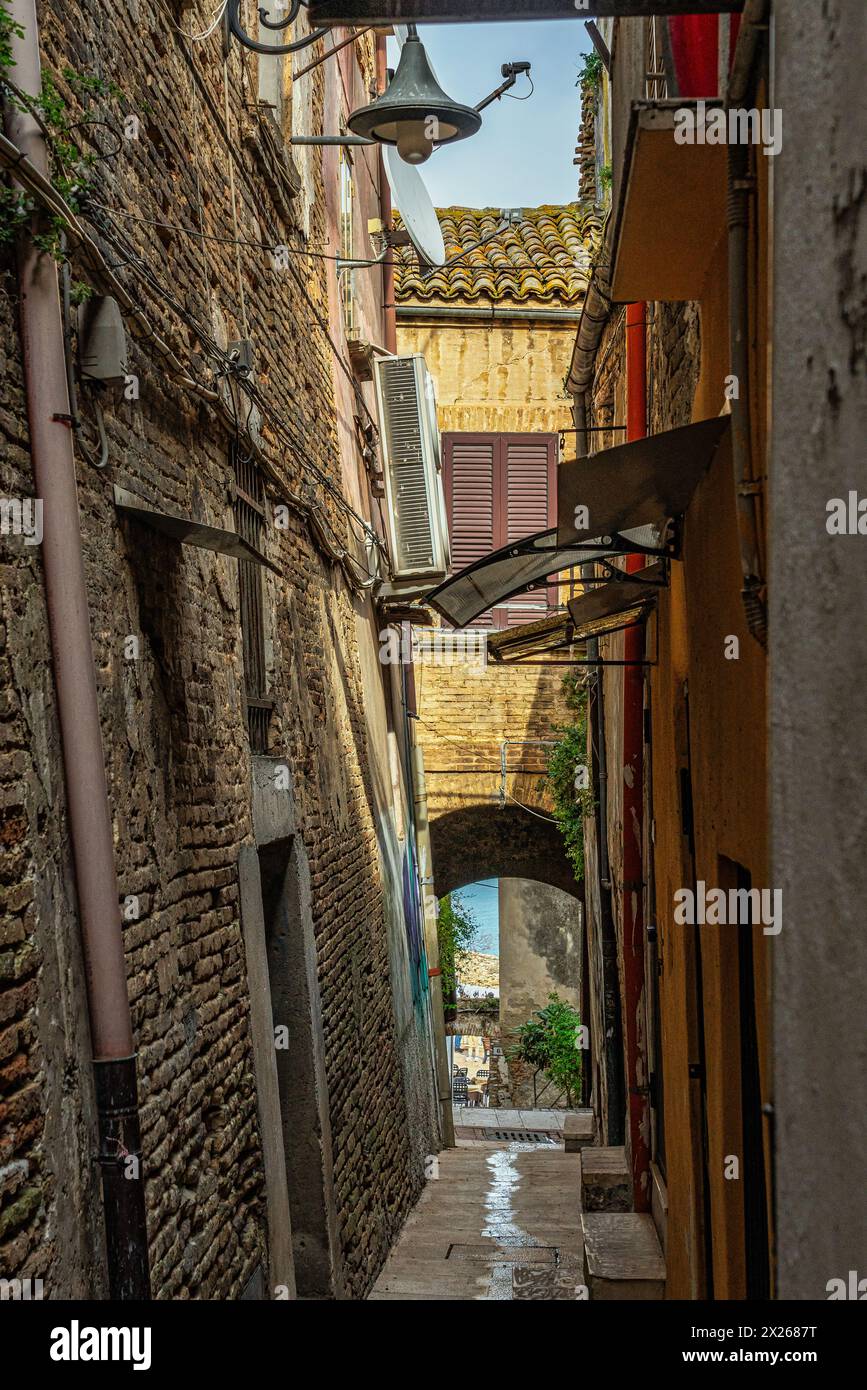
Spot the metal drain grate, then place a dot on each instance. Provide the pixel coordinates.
(509, 1136)
(524, 1136)
(518, 1254)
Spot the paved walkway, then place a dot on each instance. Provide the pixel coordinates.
(498, 1222)
(478, 1117)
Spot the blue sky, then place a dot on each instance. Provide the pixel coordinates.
(482, 900)
(522, 156)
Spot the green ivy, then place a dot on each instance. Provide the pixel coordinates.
(59, 121)
(9, 29)
(569, 754)
(549, 1041)
(605, 177)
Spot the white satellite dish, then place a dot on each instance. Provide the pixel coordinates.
(413, 202)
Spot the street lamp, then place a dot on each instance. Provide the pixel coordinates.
(415, 114)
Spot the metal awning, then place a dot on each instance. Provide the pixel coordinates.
(528, 640)
(616, 604)
(189, 532)
(671, 207)
(638, 484)
(524, 565)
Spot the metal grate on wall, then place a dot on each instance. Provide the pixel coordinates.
(249, 508)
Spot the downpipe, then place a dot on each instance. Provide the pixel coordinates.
(612, 1060)
(634, 1003)
(442, 1070)
(740, 189)
(89, 816)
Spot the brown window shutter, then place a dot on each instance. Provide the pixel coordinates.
(499, 488)
(529, 486)
(471, 496)
(471, 466)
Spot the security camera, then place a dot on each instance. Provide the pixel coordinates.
(512, 69)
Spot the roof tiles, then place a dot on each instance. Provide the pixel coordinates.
(543, 258)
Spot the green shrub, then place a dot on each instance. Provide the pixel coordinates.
(550, 1042)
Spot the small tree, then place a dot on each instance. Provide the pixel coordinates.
(456, 931)
(550, 1041)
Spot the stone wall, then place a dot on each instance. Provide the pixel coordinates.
(540, 955)
(494, 376)
(467, 711)
(176, 746)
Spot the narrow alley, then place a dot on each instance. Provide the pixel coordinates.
(501, 1220)
(433, 744)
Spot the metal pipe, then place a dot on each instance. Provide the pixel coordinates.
(612, 1021)
(595, 313)
(442, 1070)
(632, 888)
(330, 140)
(385, 212)
(90, 825)
(740, 190)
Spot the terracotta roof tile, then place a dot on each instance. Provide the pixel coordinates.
(545, 257)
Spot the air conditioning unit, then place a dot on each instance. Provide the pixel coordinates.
(416, 504)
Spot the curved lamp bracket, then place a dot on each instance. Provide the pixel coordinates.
(233, 14)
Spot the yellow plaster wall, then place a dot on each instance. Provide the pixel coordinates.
(496, 376)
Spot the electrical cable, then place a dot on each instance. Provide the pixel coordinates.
(227, 365)
(212, 236)
(462, 743)
(205, 34)
(512, 97)
(529, 809)
(57, 204)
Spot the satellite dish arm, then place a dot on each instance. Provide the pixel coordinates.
(233, 14)
(510, 72)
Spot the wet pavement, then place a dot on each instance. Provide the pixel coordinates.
(497, 1222)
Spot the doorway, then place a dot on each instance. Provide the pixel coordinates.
(294, 991)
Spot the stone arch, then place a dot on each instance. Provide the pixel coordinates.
(489, 841)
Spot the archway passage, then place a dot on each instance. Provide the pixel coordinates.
(489, 841)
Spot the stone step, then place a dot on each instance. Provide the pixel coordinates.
(579, 1128)
(606, 1182)
(622, 1256)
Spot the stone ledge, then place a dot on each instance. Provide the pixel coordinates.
(606, 1183)
(622, 1256)
(579, 1128)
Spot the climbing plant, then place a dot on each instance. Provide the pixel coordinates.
(567, 779)
(550, 1041)
(64, 121)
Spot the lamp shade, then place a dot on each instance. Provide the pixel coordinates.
(414, 112)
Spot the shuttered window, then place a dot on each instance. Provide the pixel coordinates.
(500, 488)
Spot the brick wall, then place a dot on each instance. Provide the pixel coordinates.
(467, 712)
(176, 747)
